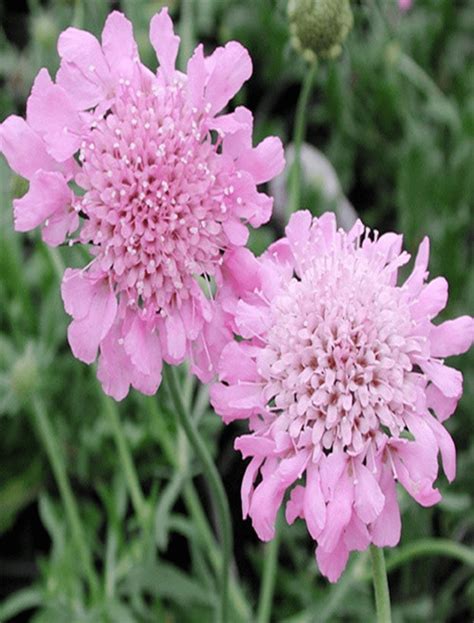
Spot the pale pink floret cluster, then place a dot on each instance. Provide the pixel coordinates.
(340, 373)
(166, 187)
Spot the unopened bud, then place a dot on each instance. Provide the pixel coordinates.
(319, 27)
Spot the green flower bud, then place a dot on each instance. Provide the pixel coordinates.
(319, 27)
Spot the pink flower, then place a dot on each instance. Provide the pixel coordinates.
(340, 374)
(404, 5)
(159, 201)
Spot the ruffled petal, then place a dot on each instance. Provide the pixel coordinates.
(443, 406)
(447, 379)
(175, 339)
(332, 564)
(84, 73)
(432, 299)
(23, 148)
(452, 337)
(48, 194)
(93, 306)
(386, 529)
(368, 497)
(119, 46)
(313, 505)
(165, 42)
(229, 67)
(50, 112)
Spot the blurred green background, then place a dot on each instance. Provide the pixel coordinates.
(394, 115)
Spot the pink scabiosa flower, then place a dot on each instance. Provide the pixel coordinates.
(404, 5)
(340, 374)
(163, 186)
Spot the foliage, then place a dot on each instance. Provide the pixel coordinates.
(395, 116)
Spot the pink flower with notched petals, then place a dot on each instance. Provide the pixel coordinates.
(340, 374)
(159, 202)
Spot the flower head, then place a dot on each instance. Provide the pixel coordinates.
(319, 27)
(166, 186)
(340, 374)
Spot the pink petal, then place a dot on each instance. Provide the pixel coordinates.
(235, 401)
(332, 468)
(23, 148)
(241, 270)
(86, 333)
(229, 67)
(197, 75)
(447, 379)
(356, 535)
(443, 406)
(416, 469)
(253, 445)
(58, 226)
(114, 369)
(236, 232)
(236, 364)
(175, 339)
(294, 506)
(165, 42)
(84, 73)
(298, 229)
(48, 194)
(51, 113)
(419, 273)
(446, 446)
(369, 499)
(332, 564)
(452, 337)
(247, 484)
(386, 529)
(251, 319)
(119, 46)
(268, 495)
(432, 299)
(143, 347)
(314, 506)
(339, 512)
(265, 161)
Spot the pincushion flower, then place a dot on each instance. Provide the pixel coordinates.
(340, 374)
(156, 201)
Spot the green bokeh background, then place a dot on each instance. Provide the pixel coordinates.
(395, 117)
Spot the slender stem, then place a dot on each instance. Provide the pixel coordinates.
(298, 138)
(267, 588)
(382, 595)
(431, 547)
(128, 466)
(214, 482)
(194, 507)
(56, 459)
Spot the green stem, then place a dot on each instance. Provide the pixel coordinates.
(270, 561)
(128, 466)
(56, 459)
(214, 482)
(431, 547)
(194, 507)
(382, 595)
(298, 138)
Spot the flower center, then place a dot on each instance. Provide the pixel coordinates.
(336, 366)
(156, 196)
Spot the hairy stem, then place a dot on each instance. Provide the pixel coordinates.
(382, 595)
